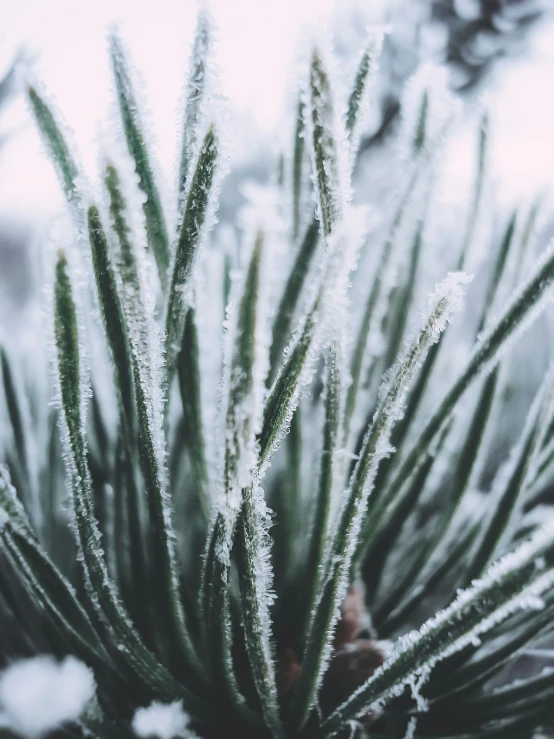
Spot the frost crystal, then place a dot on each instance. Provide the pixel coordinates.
(416, 682)
(11, 508)
(329, 144)
(448, 295)
(195, 92)
(39, 694)
(411, 728)
(138, 298)
(358, 103)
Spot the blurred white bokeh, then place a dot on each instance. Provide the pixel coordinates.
(67, 40)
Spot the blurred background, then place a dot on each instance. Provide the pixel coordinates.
(499, 55)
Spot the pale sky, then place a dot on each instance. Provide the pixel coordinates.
(257, 42)
(68, 40)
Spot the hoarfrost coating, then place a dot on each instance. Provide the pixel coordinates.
(486, 603)
(443, 303)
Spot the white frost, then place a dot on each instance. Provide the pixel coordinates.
(371, 55)
(139, 306)
(411, 728)
(324, 106)
(39, 694)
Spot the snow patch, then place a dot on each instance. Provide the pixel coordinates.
(162, 720)
(39, 694)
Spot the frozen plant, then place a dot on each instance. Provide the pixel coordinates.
(278, 522)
